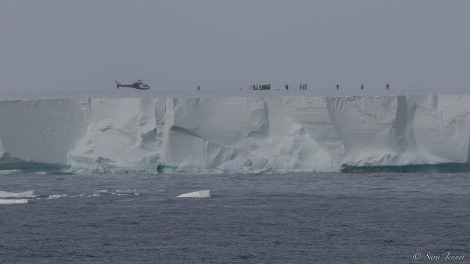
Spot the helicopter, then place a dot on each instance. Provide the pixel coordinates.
(139, 85)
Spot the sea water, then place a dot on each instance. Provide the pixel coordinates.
(266, 218)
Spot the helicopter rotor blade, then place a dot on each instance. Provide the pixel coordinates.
(148, 81)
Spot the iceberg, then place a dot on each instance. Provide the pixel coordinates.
(236, 134)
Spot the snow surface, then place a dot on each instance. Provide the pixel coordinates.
(237, 133)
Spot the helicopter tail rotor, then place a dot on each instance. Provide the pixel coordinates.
(117, 85)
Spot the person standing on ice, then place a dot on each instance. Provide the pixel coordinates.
(198, 88)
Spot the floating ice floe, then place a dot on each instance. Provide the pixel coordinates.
(56, 196)
(12, 198)
(27, 194)
(13, 201)
(197, 194)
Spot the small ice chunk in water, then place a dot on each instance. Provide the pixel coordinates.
(197, 194)
(13, 201)
(27, 194)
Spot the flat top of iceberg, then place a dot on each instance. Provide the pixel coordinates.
(230, 92)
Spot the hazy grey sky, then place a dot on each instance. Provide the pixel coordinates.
(65, 45)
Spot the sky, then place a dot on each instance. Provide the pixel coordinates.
(66, 45)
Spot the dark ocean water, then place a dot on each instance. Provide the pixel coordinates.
(269, 218)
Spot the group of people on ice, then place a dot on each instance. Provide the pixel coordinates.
(302, 86)
(260, 86)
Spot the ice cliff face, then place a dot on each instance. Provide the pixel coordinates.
(40, 130)
(228, 134)
(238, 134)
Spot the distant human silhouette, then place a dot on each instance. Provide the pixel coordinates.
(198, 88)
(388, 86)
(337, 87)
(362, 87)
